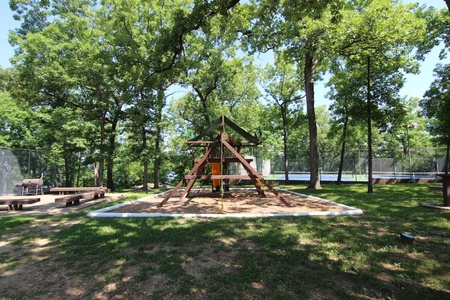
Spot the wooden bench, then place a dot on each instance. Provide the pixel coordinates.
(75, 199)
(17, 203)
(67, 190)
(69, 200)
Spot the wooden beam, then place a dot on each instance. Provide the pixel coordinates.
(199, 166)
(254, 172)
(204, 177)
(200, 143)
(206, 143)
(226, 159)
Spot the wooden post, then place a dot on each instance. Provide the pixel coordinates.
(445, 188)
(194, 171)
(254, 172)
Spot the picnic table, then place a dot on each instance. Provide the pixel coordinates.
(17, 203)
(68, 190)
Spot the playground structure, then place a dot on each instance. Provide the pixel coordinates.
(219, 153)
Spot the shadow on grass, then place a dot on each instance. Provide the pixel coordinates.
(282, 258)
(10, 223)
(352, 257)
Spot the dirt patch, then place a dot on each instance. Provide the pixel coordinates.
(239, 201)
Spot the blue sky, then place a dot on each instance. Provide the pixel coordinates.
(415, 86)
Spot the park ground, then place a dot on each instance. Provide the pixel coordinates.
(71, 256)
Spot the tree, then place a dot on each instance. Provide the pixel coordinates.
(215, 83)
(381, 37)
(448, 4)
(83, 54)
(16, 117)
(149, 39)
(436, 105)
(216, 86)
(301, 28)
(436, 97)
(57, 124)
(282, 86)
(62, 65)
(346, 108)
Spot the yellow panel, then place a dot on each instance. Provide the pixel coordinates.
(215, 170)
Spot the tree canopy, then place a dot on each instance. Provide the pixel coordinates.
(95, 79)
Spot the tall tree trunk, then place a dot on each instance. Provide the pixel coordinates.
(68, 170)
(447, 158)
(110, 158)
(369, 130)
(74, 168)
(109, 170)
(448, 4)
(159, 108)
(145, 163)
(285, 141)
(341, 161)
(314, 181)
(101, 163)
(204, 102)
(145, 180)
(157, 165)
(101, 167)
(78, 170)
(111, 150)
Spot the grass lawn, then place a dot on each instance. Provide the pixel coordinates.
(344, 257)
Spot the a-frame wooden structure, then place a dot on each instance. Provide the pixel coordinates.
(229, 151)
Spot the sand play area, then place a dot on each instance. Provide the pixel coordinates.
(235, 203)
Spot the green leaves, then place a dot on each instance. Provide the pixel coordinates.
(102, 64)
(436, 104)
(379, 29)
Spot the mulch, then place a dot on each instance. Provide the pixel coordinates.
(236, 201)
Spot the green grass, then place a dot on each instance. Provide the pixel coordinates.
(346, 257)
(9, 224)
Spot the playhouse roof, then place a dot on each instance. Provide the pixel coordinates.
(218, 123)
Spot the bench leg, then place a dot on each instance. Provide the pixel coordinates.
(73, 203)
(14, 207)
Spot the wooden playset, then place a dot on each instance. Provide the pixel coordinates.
(220, 152)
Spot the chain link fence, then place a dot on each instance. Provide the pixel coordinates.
(414, 164)
(19, 164)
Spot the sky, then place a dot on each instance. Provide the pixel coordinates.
(415, 86)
